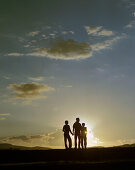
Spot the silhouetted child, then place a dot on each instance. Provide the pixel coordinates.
(66, 130)
(83, 136)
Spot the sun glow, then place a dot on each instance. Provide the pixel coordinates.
(91, 139)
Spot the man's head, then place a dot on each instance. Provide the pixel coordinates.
(77, 119)
(83, 124)
(66, 122)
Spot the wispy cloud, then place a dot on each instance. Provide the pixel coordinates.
(105, 33)
(15, 54)
(47, 140)
(98, 31)
(3, 116)
(130, 25)
(92, 30)
(129, 3)
(69, 86)
(40, 78)
(6, 77)
(67, 32)
(107, 43)
(33, 33)
(53, 139)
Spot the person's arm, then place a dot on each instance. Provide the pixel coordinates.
(70, 131)
(80, 127)
(63, 129)
(73, 128)
(85, 130)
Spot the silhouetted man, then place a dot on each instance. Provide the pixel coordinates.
(83, 136)
(66, 130)
(77, 131)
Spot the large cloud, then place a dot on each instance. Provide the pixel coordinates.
(65, 49)
(68, 49)
(29, 90)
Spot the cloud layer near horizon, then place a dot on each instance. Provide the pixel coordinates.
(47, 140)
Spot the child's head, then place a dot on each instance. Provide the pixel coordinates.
(66, 122)
(77, 119)
(83, 124)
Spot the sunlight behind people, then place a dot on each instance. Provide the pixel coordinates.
(91, 139)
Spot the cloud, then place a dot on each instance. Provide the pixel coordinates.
(29, 90)
(69, 49)
(6, 77)
(15, 54)
(4, 115)
(101, 70)
(98, 31)
(72, 50)
(129, 3)
(52, 139)
(2, 118)
(133, 14)
(64, 49)
(34, 33)
(23, 138)
(27, 45)
(130, 25)
(40, 78)
(107, 43)
(72, 32)
(92, 30)
(105, 33)
(67, 32)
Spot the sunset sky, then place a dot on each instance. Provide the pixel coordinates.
(62, 59)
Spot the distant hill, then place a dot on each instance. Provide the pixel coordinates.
(6, 146)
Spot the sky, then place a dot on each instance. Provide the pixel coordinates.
(65, 59)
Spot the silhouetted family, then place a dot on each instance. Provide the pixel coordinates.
(79, 132)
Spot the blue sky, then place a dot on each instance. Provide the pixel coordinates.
(63, 59)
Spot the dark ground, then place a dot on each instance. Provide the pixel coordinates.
(93, 158)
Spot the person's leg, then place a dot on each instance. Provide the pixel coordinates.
(85, 142)
(82, 141)
(75, 141)
(79, 140)
(65, 140)
(70, 141)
